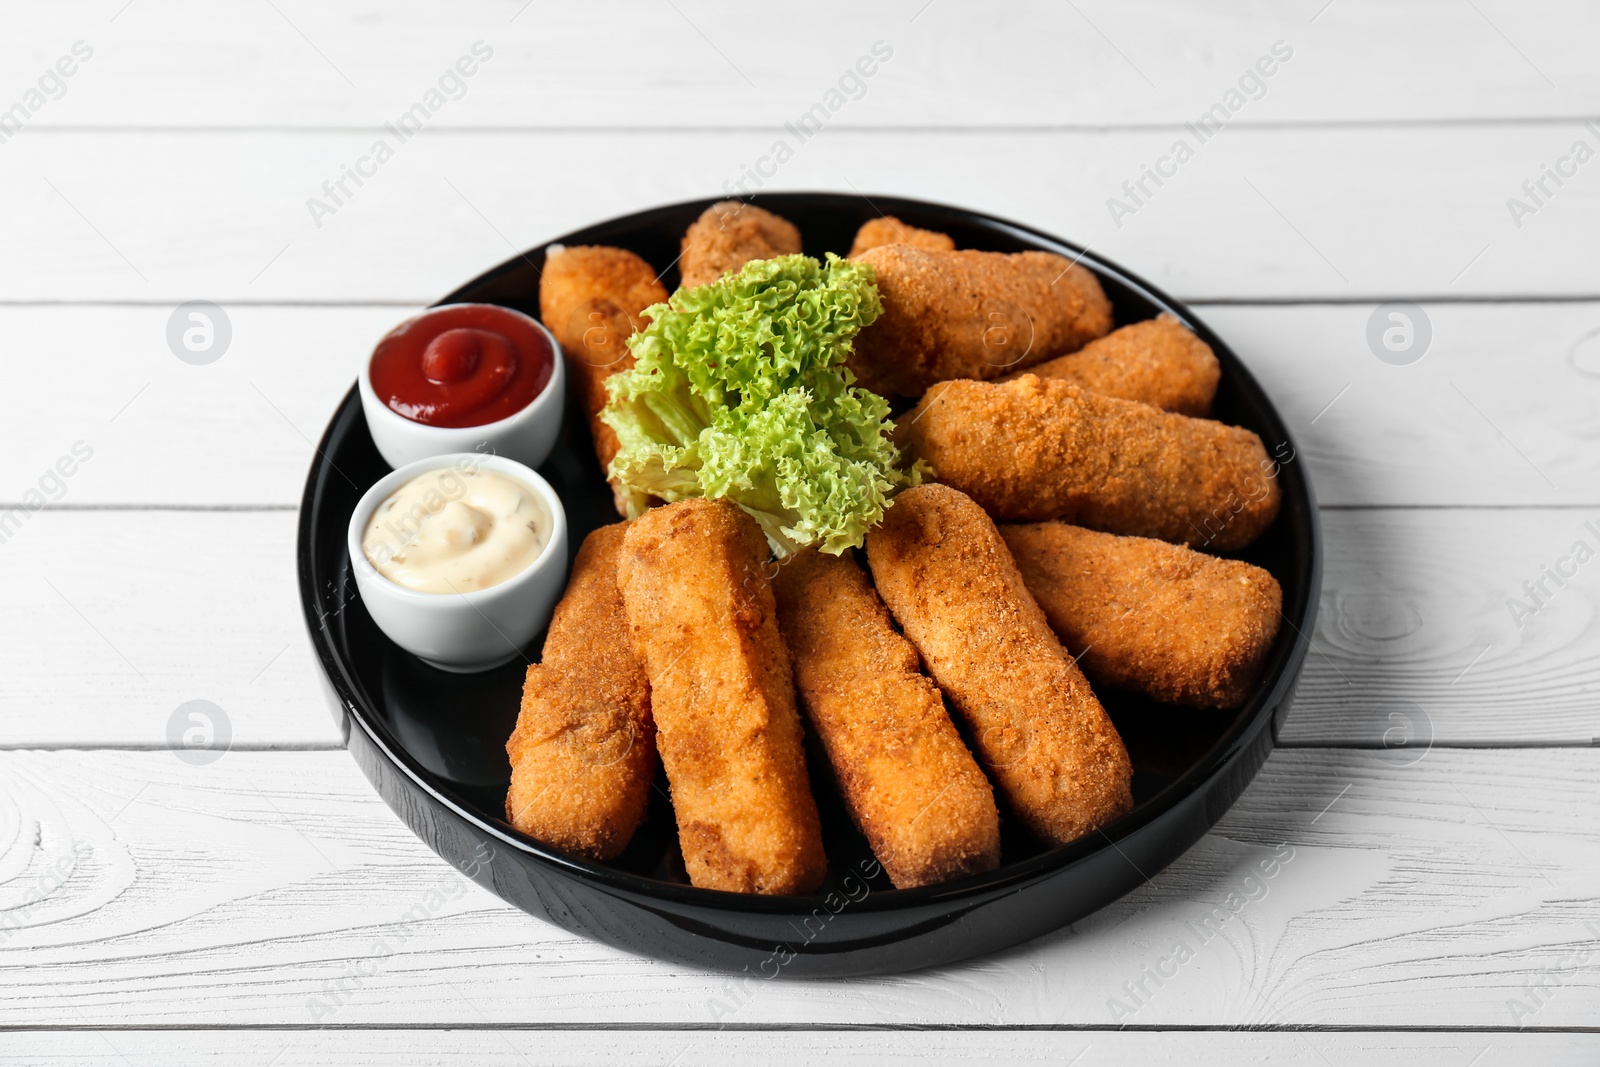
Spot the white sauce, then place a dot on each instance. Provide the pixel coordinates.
(455, 531)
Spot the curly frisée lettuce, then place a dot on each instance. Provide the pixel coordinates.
(740, 392)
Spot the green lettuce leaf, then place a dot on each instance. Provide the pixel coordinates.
(740, 392)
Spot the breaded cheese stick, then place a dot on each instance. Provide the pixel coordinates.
(727, 235)
(591, 297)
(702, 618)
(888, 230)
(1165, 620)
(950, 581)
(909, 781)
(584, 750)
(1156, 362)
(1030, 449)
(972, 315)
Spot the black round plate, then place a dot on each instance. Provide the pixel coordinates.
(433, 743)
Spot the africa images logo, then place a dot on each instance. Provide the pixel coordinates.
(1252, 85)
(451, 85)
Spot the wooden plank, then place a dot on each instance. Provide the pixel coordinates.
(239, 431)
(275, 889)
(605, 1048)
(1332, 213)
(1444, 431)
(643, 63)
(116, 618)
(1418, 641)
(1492, 414)
(1415, 641)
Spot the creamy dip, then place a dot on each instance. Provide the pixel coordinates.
(455, 531)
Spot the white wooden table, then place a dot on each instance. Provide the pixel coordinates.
(1437, 780)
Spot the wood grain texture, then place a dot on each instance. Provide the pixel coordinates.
(613, 1048)
(186, 63)
(1415, 642)
(1429, 886)
(1333, 213)
(1446, 430)
(275, 888)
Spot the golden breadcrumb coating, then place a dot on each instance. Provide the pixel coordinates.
(1156, 362)
(584, 753)
(727, 235)
(907, 778)
(702, 616)
(1165, 620)
(972, 315)
(1029, 450)
(591, 297)
(888, 230)
(949, 580)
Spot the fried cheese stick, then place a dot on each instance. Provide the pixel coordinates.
(888, 230)
(949, 580)
(702, 617)
(1030, 449)
(909, 781)
(727, 235)
(972, 315)
(591, 297)
(1156, 362)
(1176, 624)
(583, 753)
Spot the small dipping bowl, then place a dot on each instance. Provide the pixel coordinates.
(480, 628)
(526, 436)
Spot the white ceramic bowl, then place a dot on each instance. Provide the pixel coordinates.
(470, 631)
(527, 437)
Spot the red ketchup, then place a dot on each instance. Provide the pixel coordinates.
(462, 365)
